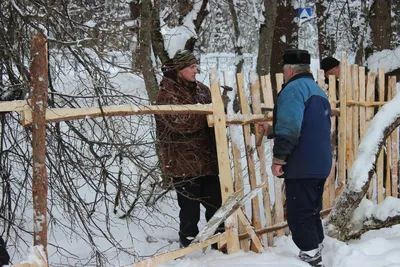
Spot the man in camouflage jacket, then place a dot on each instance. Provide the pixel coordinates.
(187, 144)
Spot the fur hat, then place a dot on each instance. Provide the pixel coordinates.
(183, 59)
(329, 63)
(296, 57)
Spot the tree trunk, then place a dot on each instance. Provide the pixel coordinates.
(323, 43)
(285, 36)
(380, 22)
(350, 199)
(145, 50)
(39, 84)
(266, 38)
(238, 46)
(156, 36)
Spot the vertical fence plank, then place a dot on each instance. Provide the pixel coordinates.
(279, 82)
(226, 180)
(388, 156)
(249, 148)
(356, 109)
(39, 83)
(256, 105)
(361, 78)
(379, 165)
(279, 195)
(238, 170)
(370, 97)
(329, 191)
(395, 148)
(342, 125)
(349, 120)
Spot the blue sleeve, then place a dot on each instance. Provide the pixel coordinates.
(289, 121)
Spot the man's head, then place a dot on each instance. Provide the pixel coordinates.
(295, 61)
(185, 65)
(331, 66)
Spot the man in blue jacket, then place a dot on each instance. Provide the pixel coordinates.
(302, 151)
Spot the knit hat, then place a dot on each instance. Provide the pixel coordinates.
(329, 63)
(183, 59)
(296, 57)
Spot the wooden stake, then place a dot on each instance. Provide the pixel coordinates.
(349, 122)
(342, 125)
(370, 96)
(256, 104)
(249, 148)
(395, 148)
(39, 83)
(223, 160)
(379, 165)
(238, 174)
(279, 81)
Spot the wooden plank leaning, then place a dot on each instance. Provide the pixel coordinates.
(225, 175)
(256, 104)
(249, 148)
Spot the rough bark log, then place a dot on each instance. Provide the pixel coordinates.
(380, 21)
(238, 47)
(39, 84)
(349, 200)
(285, 27)
(156, 36)
(145, 51)
(266, 38)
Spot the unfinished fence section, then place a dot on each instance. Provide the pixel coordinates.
(354, 99)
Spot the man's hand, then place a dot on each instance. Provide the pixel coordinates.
(277, 169)
(263, 127)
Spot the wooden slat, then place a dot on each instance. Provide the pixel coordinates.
(342, 125)
(249, 148)
(356, 109)
(256, 106)
(266, 87)
(279, 196)
(321, 80)
(369, 113)
(395, 148)
(388, 156)
(16, 105)
(241, 119)
(361, 82)
(349, 121)
(172, 255)
(231, 228)
(379, 165)
(329, 188)
(279, 81)
(63, 114)
(234, 133)
(258, 246)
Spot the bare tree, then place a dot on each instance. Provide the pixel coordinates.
(265, 47)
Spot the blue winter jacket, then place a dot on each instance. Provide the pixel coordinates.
(302, 126)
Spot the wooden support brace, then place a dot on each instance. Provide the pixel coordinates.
(172, 255)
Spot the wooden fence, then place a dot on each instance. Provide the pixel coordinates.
(359, 91)
(363, 93)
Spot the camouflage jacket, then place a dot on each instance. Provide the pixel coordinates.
(186, 143)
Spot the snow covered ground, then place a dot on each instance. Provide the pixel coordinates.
(375, 249)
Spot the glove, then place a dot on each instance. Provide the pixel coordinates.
(236, 105)
(225, 100)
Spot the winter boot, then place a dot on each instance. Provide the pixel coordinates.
(185, 241)
(315, 260)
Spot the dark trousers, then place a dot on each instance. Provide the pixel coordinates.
(192, 192)
(4, 257)
(304, 203)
